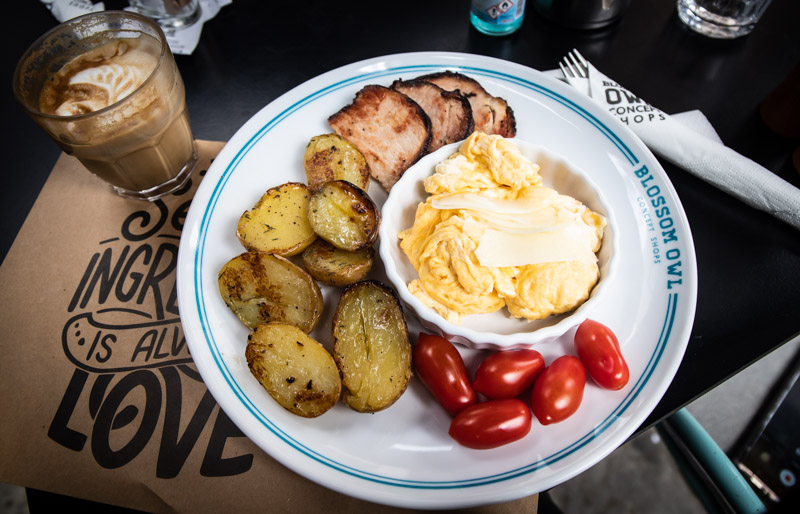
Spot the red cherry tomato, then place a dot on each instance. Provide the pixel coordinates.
(507, 374)
(598, 349)
(441, 368)
(491, 424)
(558, 391)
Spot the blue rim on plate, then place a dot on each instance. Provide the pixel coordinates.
(531, 86)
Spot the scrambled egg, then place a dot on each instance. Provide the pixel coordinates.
(492, 236)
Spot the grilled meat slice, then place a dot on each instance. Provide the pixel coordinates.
(492, 114)
(390, 129)
(449, 111)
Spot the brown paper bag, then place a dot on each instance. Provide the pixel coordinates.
(100, 399)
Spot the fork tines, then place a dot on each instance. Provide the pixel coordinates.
(576, 64)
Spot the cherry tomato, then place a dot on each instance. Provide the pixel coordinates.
(598, 349)
(441, 368)
(507, 374)
(491, 423)
(558, 391)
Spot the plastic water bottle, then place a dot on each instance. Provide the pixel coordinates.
(497, 17)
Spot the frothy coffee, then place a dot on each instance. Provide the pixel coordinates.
(121, 113)
(100, 77)
(106, 88)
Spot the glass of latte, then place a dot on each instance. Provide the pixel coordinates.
(106, 88)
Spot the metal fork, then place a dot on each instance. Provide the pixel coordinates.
(576, 71)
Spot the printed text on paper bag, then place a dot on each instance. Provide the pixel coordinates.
(132, 365)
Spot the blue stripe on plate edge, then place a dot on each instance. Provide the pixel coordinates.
(565, 452)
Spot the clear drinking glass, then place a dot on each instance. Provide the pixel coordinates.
(106, 89)
(170, 14)
(723, 19)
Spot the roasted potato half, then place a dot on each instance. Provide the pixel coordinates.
(344, 215)
(260, 287)
(371, 346)
(331, 157)
(297, 371)
(278, 223)
(336, 267)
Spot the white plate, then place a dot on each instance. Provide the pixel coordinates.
(403, 455)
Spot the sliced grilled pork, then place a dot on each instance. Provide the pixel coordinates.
(492, 114)
(390, 129)
(449, 111)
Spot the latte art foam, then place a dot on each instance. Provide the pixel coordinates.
(107, 84)
(99, 78)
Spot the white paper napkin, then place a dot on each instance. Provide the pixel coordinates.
(701, 154)
(181, 41)
(64, 10)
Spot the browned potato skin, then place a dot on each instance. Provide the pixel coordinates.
(336, 267)
(344, 215)
(278, 223)
(371, 346)
(260, 287)
(297, 371)
(331, 157)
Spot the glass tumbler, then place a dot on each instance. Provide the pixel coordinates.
(106, 89)
(722, 19)
(170, 14)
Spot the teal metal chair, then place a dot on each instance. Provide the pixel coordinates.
(707, 469)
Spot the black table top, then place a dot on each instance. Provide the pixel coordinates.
(748, 262)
